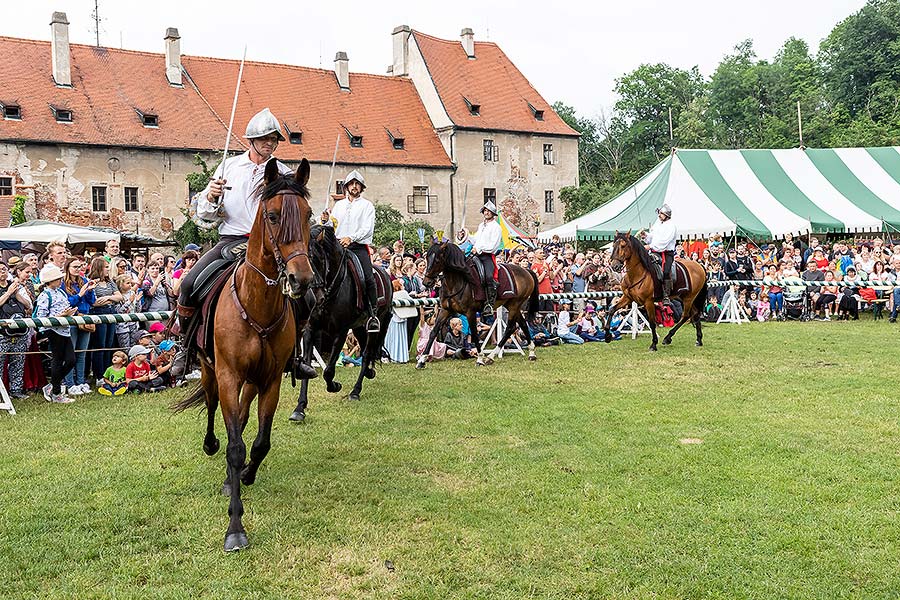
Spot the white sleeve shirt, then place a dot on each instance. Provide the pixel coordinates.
(489, 237)
(662, 236)
(355, 220)
(239, 203)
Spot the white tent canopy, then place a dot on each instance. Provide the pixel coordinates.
(45, 231)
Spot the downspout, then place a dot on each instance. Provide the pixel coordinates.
(452, 231)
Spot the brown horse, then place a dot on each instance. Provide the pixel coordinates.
(458, 296)
(255, 332)
(638, 286)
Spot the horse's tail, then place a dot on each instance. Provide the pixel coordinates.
(534, 300)
(197, 397)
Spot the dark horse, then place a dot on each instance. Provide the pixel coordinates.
(336, 312)
(638, 286)
(254, 332)
(458, 297)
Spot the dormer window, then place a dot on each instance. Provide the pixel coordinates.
(474, 107)
(12, 112)
(294, 137)
(62, 115)
(538, 113)
(397, 139)
(355, 137)
(148, 119)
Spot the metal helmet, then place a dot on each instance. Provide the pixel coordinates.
(262, 124)
(354, 175)
(664, 209)
(491, 207)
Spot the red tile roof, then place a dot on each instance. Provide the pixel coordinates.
(107, 86)
(491, 80)
(310, 100)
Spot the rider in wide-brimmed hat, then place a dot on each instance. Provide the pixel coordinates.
(661, 240)
(488, 240)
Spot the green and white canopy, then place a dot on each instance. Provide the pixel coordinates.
(761, 194)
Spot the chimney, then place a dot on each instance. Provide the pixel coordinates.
(173, 56)
(468, 41)
(401, 50)
(342, 70)
(59, 49)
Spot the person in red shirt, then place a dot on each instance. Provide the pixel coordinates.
(139, 372)
(543, 273)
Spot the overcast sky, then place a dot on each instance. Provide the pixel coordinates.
(570, 51)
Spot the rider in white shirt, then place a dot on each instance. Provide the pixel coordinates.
(661, 240)
(488, 240)
(355, 217)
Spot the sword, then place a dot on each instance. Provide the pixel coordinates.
(331, 172)
(237, 89)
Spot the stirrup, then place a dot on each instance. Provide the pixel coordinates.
(488, 309)
(373, 325)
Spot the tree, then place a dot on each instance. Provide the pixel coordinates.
(189, 232)
(389, 222)
(17, 212)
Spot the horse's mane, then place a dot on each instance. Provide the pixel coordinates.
(456, 259)
(638, 248)
(291, 218)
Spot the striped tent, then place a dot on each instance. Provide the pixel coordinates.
(761, 194)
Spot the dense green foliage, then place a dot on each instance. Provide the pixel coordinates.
(849, 95)
(389, 222)
(17, 212)
(578, 476)
(189, 233)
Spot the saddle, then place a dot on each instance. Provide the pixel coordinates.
(681, 282)
(506, 283)
(359, 281)
(209, 277)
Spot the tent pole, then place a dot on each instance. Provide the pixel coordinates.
(800, 125)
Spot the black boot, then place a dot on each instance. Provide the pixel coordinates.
(490, 296)
(373, 325)
(667, 289)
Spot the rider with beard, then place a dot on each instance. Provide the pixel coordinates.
(487, 242)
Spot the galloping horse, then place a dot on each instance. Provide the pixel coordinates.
(254, 332)
(458, 295)
(638, 286)
(336, 312)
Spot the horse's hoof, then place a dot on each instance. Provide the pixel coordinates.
(479, 363)
(298, 416)
(699, 344)
(333, 386)
(532, 358)
(369, 373)
(226, 489)
(211, 449)
(652, 348)
(420, 365)
(488, 361)
(354, 396)
(247, 478)
(666, 342)
(236, 541)
(608, 339)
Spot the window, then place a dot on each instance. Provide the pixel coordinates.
(548, 201)
(355, 137)
(63, 115)
(420, 202)
(98, 198)
(339, 187)
(397, 139)
(490, 195)
(548, 154)
(538, 113)
(474, 107)
(12, 112)
(294, 136)
(491, 152)
(131, 199)
(6, 186)
(148, 119)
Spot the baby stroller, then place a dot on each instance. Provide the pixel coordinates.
(796, 303)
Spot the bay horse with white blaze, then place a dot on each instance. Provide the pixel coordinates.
(254, 332)
(459, 295)
(639, 286)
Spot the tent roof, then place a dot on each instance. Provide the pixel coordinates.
(47, 231)
(762, 194)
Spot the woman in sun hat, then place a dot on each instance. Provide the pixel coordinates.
(54, 302)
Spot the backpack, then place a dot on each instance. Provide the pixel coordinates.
(34, 314)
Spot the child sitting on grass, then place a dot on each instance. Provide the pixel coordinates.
(162, 365)
(114, 383)
(138, 373)
(350, 353)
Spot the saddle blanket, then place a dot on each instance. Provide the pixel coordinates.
(506, 282)
(359, 280)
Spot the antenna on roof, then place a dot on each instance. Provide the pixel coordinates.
(96, 16)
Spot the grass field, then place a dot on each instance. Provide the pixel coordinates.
(567, 478)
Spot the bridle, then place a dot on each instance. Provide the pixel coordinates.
(429, 265)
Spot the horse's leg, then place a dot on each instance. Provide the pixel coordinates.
(208, 379)
(685, 317)
(476, 339)
(337, 343)
(248, 393)
(512, 320)
(299, 413)
(698, 324)
(268, 401)
(650, 307)
(439, 321)
(622, 303)
(236, 455)
(523, 323)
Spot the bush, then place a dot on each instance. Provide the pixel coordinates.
(389, 222)
(17, 212)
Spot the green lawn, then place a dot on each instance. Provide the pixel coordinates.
(566, 478)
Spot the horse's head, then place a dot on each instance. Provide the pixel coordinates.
(283, 219)
(434, 262)
(621, 251)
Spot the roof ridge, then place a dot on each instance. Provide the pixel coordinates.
(322, 70)
(438, 39)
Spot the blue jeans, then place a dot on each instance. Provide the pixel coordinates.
(896, 295)
(80, 340)
(570, 338)
(103, 337)
(776, 301)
